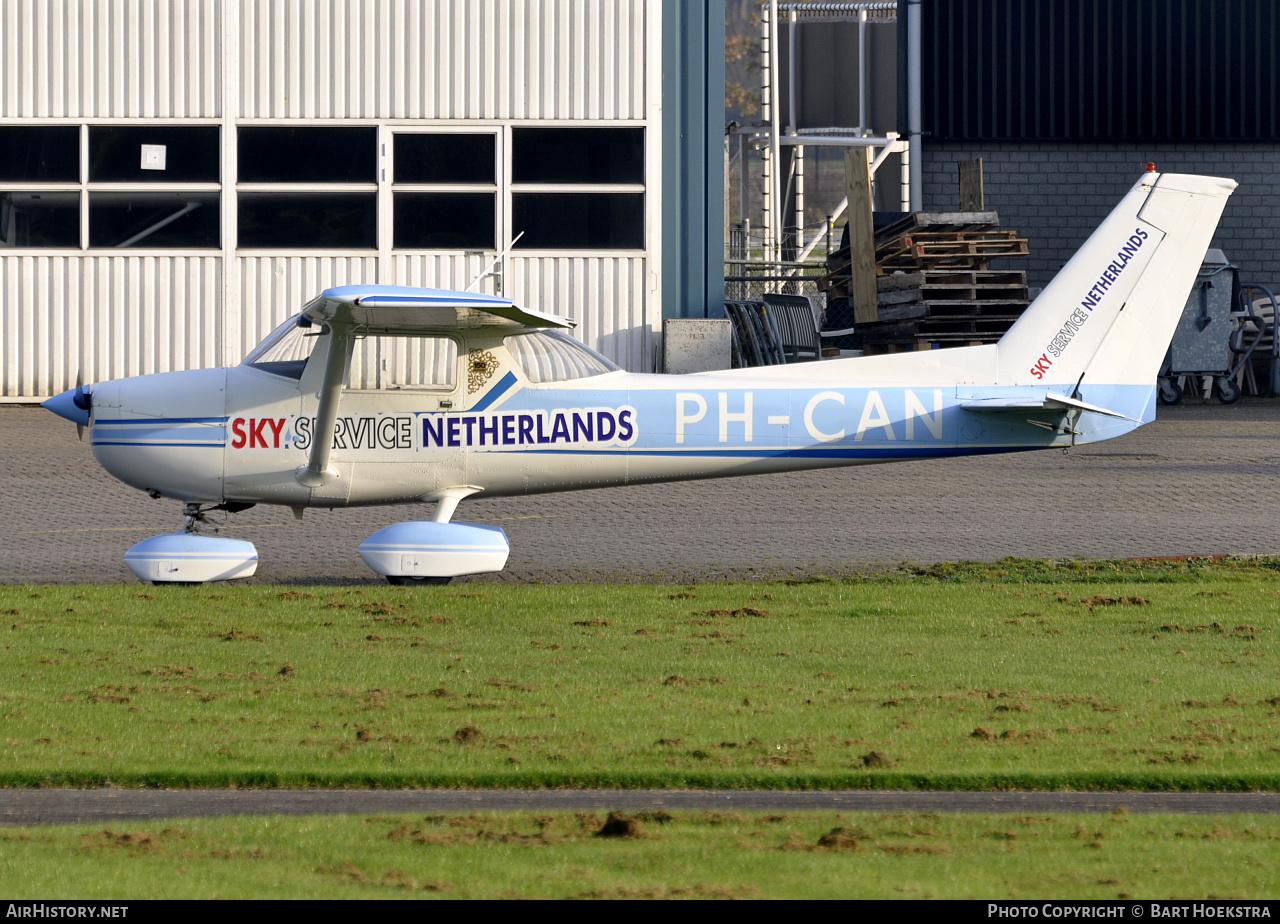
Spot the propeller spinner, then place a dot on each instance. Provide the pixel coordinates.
(74, 404)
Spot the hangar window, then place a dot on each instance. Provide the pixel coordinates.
(402, 363)
(307, 187)
(153, 154)
(578, 188)
(40, 154)
(445, 158)
(445, 191)
(34, 159)
(552, 356)
(40, 219)
(579, 220)
(137, 186)
(577, 155)
(307, 154)
(121, 218)
(127, 166)
(328, 220)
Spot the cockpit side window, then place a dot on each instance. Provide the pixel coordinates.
(403, 363)
(551, 356)
(286, 350)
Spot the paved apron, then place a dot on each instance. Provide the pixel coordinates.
(1200, 480)
(66, 806)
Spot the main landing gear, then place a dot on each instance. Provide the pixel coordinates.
(414, 553)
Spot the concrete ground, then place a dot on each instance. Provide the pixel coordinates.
(1203, 479)
(67, 806)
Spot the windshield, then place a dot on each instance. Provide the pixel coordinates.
(550, 356)
(286, 349)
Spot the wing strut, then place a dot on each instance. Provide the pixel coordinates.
(317, 472)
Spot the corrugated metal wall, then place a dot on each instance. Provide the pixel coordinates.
(273, 288)
(605, 296)
(443, 59)
(105, 317)
(441, 271)
(110, 58)
(1086, 70)
(68, 317)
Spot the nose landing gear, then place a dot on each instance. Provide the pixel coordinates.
(187, 557)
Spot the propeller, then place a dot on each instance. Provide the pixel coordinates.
(82, 400)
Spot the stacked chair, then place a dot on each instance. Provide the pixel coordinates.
(777, 330)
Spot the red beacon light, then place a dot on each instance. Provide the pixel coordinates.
(1151, 167)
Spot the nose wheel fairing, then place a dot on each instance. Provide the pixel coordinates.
(187, 558)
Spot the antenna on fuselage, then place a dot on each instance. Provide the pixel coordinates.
(485, 272)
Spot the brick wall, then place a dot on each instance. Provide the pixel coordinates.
(1056, 194)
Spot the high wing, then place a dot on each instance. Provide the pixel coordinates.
(395, 310)
(405, 310)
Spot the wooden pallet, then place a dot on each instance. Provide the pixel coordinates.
(950, 277)
(881, 347)
(954, 310)
(929, 329)
(933, 252)
(953, 294)
(928, 258)
(986, 291)
(937, 221)
(958, 250)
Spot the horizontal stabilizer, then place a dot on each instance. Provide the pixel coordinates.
(1048, 402)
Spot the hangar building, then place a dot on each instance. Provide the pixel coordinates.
(177, 177)
(1066, 101)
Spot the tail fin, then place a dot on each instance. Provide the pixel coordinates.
(1108, 316)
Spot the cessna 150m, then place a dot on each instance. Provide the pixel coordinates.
(392, 395)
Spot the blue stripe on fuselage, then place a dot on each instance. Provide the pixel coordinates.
(496, 392)
(165, 445)
(156, 421)
(819, 422)
(889, 422)
(157, 434)
(835, 452)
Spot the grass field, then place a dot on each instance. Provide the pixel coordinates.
(1033, 674)
(693, 855)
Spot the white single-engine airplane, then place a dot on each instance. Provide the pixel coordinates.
(392, 395)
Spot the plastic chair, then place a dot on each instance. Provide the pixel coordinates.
(1255, 335)
(799, 319)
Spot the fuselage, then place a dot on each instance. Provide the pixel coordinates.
(241, 433)
(379, 394)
